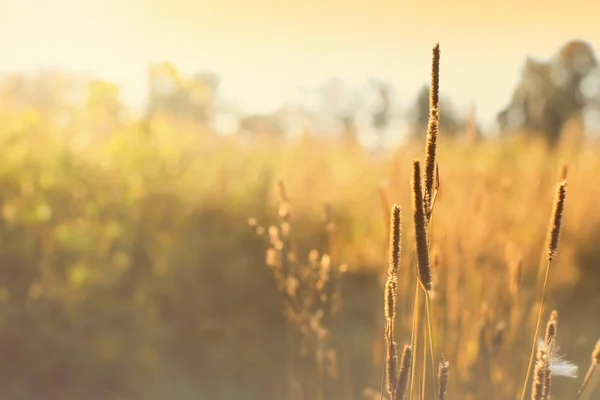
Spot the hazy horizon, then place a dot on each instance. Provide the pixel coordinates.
(265, 52)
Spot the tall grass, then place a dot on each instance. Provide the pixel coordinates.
(128, 269)
(423, 197)
(492, 341)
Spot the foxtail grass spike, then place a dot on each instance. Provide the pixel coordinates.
(391, 290)
(404, 374)
(551, 329)
(542, 369)
(557, 215)
(443, 377)
(395, 239)
(588, 375)
(391, 367)
(432, 128)
(420, 228)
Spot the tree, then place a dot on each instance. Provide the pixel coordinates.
(550, 93)
(450, 123)
(189, 99)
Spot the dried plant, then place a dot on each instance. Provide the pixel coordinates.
(420, 228)
(432, 130)
(402, 385)
(310, 292)
(540, 374)
(499, 303)
(391, 367)
(588, 375)
(443, 377)
(556, 221)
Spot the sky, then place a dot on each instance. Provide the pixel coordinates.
(266, 50)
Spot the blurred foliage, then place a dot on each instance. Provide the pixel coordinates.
(189, 99)
(450, 122)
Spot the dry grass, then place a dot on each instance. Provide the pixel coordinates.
(476, 305)
(424, 196)
(130, 253)
(485, 243)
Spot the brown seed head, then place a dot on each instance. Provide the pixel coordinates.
(404, 375)
(557, 215)
(395, 240)
(547, 382)
(391, 291)
(391, 366)
(551, 329)
(434, 94)
(540, 374)
(420, 230)
(432, 128)
(443, 377)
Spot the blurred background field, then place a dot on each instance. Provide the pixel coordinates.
(129, 269)
(133, 259)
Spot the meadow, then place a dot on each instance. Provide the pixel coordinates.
(146, 262)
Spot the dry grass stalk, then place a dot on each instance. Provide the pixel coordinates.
(432, 128)
(391, 367)
(391, 290)
(311, 298)
(550, 343)
(391, 284)
(443, 377)
(414, 339)
(551, 329)
(557, 214)
(556, 221)
(404, 374)
(590, 371)
(395, 240)
(420, 228)
(542, 370)
(391, 293)
(424, 363)
(423, 201)
(424, 197)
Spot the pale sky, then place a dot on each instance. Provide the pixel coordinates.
(264, 50)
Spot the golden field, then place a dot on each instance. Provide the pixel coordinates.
(152, 257)
(129, 269)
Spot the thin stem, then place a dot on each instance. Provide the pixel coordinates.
(414, 338)
(427, 305)
(588, 375)
(424, 372)
(384, 361)
(537, 329)
(428, 309)
(430, 214)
